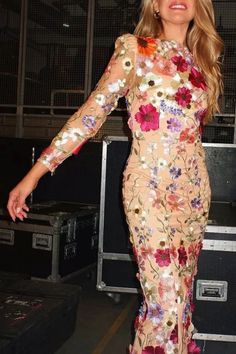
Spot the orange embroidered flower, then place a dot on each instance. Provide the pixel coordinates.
(146, 46)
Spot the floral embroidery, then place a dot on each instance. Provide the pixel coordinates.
(196, 78)
(162, 257)
(166, 192)
(183, 96)
(180, 62)
(148, 117)
(146, 46)
(153, 350)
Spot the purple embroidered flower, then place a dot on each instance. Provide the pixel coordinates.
(172, 187)
(186, 311)
(196, 203)
(89, 121)
(197, 181)
(174, 125)
(152, 184)
(171, 109)
(175, 172)
(155, 313)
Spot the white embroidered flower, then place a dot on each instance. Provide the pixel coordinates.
(100, 99)
(139, 71)
(194, 97)
(73, 133)
(188, 85)
(170, 91)
(152, 195)
(143, 217)
(127, 64)
(155, 101)
(170, 346)
(152, 147)
(161, 163)
(150, 80)
(143, 162)
(115, 86)
(149, 63)
(177, 77)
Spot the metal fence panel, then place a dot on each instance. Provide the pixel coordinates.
(9, 47)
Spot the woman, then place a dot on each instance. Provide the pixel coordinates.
(169, 72)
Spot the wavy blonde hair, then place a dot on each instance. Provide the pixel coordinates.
(202, 40)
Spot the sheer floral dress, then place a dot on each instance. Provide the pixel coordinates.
(166, 191)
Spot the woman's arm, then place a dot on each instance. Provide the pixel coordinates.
(114, 83)
(84, 124)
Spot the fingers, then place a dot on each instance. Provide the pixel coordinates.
(17, 207)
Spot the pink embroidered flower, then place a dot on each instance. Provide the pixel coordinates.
(196, 78)
(157, 200)
(148, 117)
(182, 255)
(193, 348)
(175, 202)
(195, 248)
(183, 96)
(146, 251)
(153, 350)
(162, 257)
(180, 62)
(165, 66)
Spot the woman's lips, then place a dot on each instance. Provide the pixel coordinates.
(178, 6)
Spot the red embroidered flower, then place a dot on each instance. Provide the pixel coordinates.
(185, 135)
(196, 78)
(146, 46)
(174, 335)
(162, 257)
(183, 96)
(148, 117)
(180, 62)
(193, 348)
(153, 350)
(182, 255)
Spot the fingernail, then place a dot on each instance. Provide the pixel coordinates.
(18, 210)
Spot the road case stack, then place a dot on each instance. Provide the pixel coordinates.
(214, 286)
(58, 240)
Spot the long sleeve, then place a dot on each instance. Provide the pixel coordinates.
(84, 124)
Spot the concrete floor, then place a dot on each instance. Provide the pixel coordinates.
(106, 327)
(103, 326)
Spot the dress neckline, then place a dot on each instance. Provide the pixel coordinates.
(172, 43)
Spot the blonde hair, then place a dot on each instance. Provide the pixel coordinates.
(202, 40)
